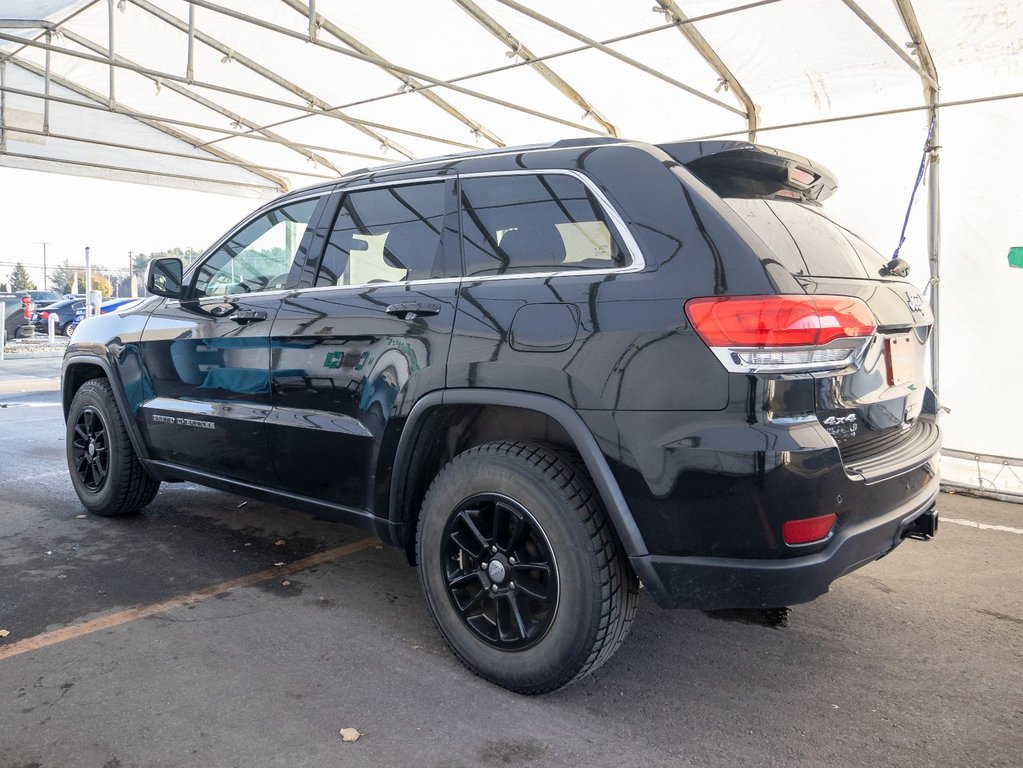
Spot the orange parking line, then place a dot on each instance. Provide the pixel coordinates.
(140, 612)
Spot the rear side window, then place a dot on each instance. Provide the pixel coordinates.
(386, 235)
(806, 241)
(534, 223)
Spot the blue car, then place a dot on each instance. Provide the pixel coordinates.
(110, 305)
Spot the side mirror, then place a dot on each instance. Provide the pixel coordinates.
(163, 277)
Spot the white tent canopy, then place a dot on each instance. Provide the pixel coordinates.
(261, 96)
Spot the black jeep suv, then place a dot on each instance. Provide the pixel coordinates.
(547, 374)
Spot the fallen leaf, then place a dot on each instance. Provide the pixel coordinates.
(417, 647)
(4, 633)
(349, 734)
(279, 543)
(285, 583)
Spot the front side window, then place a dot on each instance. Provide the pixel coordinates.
(534, 223)
(386, 235)
(257, 257)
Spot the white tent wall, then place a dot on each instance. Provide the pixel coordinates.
(800, 61)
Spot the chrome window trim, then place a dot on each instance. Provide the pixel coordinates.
(363, 286)
(637, 263)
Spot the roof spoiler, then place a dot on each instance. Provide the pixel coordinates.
(741, 169)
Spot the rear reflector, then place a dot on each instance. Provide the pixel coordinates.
(782, 333)
(808, 530)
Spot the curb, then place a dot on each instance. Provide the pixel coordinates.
(32, 356)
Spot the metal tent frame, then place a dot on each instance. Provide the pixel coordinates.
(269, 111)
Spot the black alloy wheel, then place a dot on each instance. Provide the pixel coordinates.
(90, 449)
(105, 471)
(502, 577)
(522, 571)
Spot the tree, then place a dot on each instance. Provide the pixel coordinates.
(102, 284)
(62, 277)
(20, 281)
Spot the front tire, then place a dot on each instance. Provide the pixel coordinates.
(107, 475)
(522, 572)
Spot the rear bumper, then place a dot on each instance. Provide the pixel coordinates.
(716, 582)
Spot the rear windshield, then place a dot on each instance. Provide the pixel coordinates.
(805, 241)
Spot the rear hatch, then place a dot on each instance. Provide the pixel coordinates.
(879, 412)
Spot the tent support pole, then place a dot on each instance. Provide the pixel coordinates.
(934, 236)
(929, 78)
(596, 45)
(319, 21)
(98, 104)
(518, 48)
(211, 105)
(190, 68)
(728, 80)
(3, 108)
(110, 47)
(46, 85)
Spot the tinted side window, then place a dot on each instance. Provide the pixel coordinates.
(257, 257)
(534, 223)
(387, 234)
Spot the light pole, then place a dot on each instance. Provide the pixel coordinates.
(45, 286)
(88, 283)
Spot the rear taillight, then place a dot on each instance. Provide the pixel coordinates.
(43, 315)
(752, 334)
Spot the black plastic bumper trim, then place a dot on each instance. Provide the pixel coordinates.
(710, 583)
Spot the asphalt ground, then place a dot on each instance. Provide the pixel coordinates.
(211, 631)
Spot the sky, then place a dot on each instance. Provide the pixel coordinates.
(113, 218)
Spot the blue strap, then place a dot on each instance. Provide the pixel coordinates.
(916, 186)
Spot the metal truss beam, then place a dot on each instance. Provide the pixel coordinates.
(699, 42)
(171, 121)
(100, 104)
(26, 24)
(268, 74)
(927, 77)
(211, 105)
(165, 77)
(126, 169)
(596, 45)
(432, 82)
(166, 153)
(494, 27)
(319, 21)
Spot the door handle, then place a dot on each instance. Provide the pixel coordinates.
(246, 316)
(409, 309)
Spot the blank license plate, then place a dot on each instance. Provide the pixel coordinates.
(900, 355)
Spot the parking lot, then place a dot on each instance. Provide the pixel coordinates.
(211, 631)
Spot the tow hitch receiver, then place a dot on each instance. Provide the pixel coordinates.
(924, 527)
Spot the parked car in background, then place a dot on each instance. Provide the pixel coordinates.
(108, 306)
(15, 322)
(43, 299)
(64, 310)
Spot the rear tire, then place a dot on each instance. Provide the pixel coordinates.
(107, 475)
(519, 512)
